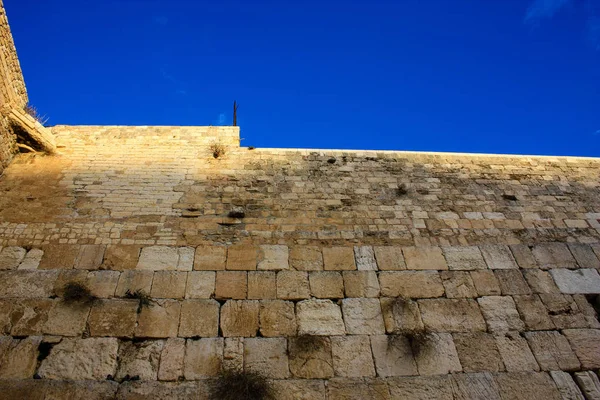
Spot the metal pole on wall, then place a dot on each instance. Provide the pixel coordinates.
(235, 107)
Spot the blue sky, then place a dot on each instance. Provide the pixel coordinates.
(497, 76)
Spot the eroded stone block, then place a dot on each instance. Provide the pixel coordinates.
(159, 320)
(210, 258)
(18, 358)
(139, 359)
(242, 257)
(451, 315)
(581, 281)
(515, 353)
(240, 318)
(423, 258)
(458, 284)
(169, 285)
(200, 284)
(411, 284)
(338, 258)
(273, 257)
(393, 356)
(361, 284)
(552, 351)
(310, 357)
(134, 281)
(90, 256)
(293, 285)
(231, 285)
(365, 258)
(363, 316)
(352, 356)
(464, 258)
(262, 285)
(327, 284)
(586, 345)
(485, 282)
(306, 258)
(500, 314)
(277, 318)
(478, 352)
(171, 360)
(203, 358)
(199, 318)
(113, 318)
(389, 258)
(436, 354)
(267, 356)
(498, 256)
(527, 386)
(319, 317)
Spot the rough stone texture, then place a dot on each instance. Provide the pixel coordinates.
(200, 285)
(199, 318)
(437, 355)
(586, 345)
(401, 315)
(59, 256)
(338, 258)
(500, 314)
(306, 258)
(310, 357)
(581, 281)
(365, 258)
(566, 386)
(464, 258)
(446, 315)
(411, 284)
(203, 358)
(427, 387)
(90, 256)
(327, 284)
(139, 359)
(478, 352)
(475, 386)
(27, 316)
(210, 258)
(299, 389)
(552, 351)
(533, 313)
(28, 284)
(158, 258)
(273, 257)
(11, 257)
(149, 390)
(113, 318)
(169, 285)
(240, 318)
(171, 360)
(242, 257)
(523, 255)
(103, 284)
(231, 285)
(363, 316)
(589, 384)
(32, 259)
(424, 258)
(540, 281)
(498, 257)
(353, 389)
(233, 354)
(458, 284)
(18, 358)
(319, 317)
(389, 258)
(527, 386)
(584, 255)
(293, 285)
(267, 356)
(277, 318)
(485, 283)
(515, 353)
(352, 356)
(68, 320)
(80, 359)
(262, 285)
(512, 282)
(393, 356)
(121, 257)
(361, 284)
(160, 320)
(134, 281)
(553, 255)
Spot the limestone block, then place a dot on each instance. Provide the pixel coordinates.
(365, 258)
(588, 311)
(32, 259)
(292, 285)
(411, 284)
(203, 358)
(475, 386)
(589, 384)
(458, 284)
(498, 256)
(158, 258)
(421, 387)
(581, 281)
(527, 386)
(533, 312)
(169, 285)
(102, 284)
(352, 356)
(512, 282)
(186, 258)
(485, 283)
(242, 257)
(90, 256)
(59, 256)
(28, 316)
(262, 285)
(152, 390)
(363, 316)
(500, 314)
(233, 354)
(134, 281)
(540, 281)
(160, 320)
(515, 353)
(564, 311)
(306, 258)
(451, 315)
(584, 255)
(326, 284)
(553, 255)
(421, 258)
(231, 285)
(67, 319)
(171, 360)
(277, 318)
(464, 258)
(389, 258)
(80, 390)
(523, 255)
(200, 285)
(586, 345)
(338, 258)
(273, 257)
(319, 317)
(299, 389)
(27, 284)
(401, 315)
(18, 358)
(478, 352)
(210, 258)
(566, 386)
(310, 357)
(239, 318)
(267, 356)
(199, 318)
(361, 284)
(81, 359)
(393, 356)
(355, 389)
(139, 359)
(121, 257)
(24, 389)
(552, 351)
(437, 355)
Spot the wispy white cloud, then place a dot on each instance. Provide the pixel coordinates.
(542, 9)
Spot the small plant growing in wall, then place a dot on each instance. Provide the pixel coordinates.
(418, 340)
(75, 292)
(143, 298)
(402, 190)
(241, 385)
(35, 114)
(309, 343)
(217, 149)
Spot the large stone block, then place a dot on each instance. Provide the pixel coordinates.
(393, 356)
(121, 257)
(458, 284)
(523, 255)
(159, 320)
(139, 359)
(498, 256)
(581, 281)
(273, 257)
(421, 387)
(152, 390)
(566, 386)
(352, 356)
(363, 316)
(319, 317)
(299, 389)
(159, 258)
(267, 356)
(527, 386)
(401, 315)
(540, 281)
(512, 282)
(389, 258)
(500, 314)
(310, 357)
(584, 255)
(171, 360)
(533, 312)
(361, 284)
(464, 258)
(199, 318)
(32, 259)
(451, 315)
(475, 386)
(552, 351)
(338, 258)
(589, 384)
(485, 282)
(169, 285)
(203, 358)
(27, 317)
(239, 318)
(515, 353)
(90, 256)
(553, 255)
(327, 284)
(262, 285)
(11, 257)
(586, 345)
(59, 256)
(478, 352)
(355, 389)
(306, 258)
(436, 354)
(115, 318)
(365, 258)
(102, 284)
(293, 285)
(277, 318)
(27, 284)
(231, 285)
(242, 257)
(421, 258)
(200, 285)
(411, 284)
(18, 358)
(210, 258)
(134, 281)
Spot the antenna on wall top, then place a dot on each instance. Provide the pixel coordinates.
(235, 107)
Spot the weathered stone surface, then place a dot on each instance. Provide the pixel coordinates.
(584, 255)
(67, 319)
(306, 258)
(113, 318)
(552, 351)
(277, 318)
(451, 315)
(90, 256)
(160, 320)
(27, 284)
(293, 285)
(566, 386)
(589, 384)
(500, 314)
(586, 345)
(458, 284)
(436, 354)
(498, 256)
(171, 360)
(515, 353)
(134, 281)
(553, 255)
(363, 316)
(103, 284)
(267, 356)
(32, 259)
(352, 356)
(149, 390)
(233, 354)
(424, 258)
(169, 285)
(485, 282)
(262, 285)
(299, 389)
(475, 386)
(354, 389)
(533, 312)
(18, 358)
(393, 356)
(158, 258)
(361, 284)
(231, 285)
(28, 316)
(581, 281)
(527, 386)
(478, 352)
(540, 281)
(338, 258)
(389, 258)
(421, 387)
(401, 315)
(186, 258)
(310, 357)
(319, 317)
(464, 258)
(242, 257)
(203, 358)
(81, 359)
(121, 257)
(365, 258)
(139, 359)
(588, 311)
(523, 255)
(240, 318)
(59, 256)
(210, 258)
(199, 318)
(200, 285)
(23, 389)
(81, 390)
(327, 284)
(512, 282)
(411, 284)
(273, 257)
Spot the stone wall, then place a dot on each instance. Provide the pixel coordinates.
(334, 274)
(12, 89)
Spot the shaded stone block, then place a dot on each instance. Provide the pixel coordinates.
(464, 258)
(540, 281)
(160, 320)
(352, 356)
(231, 285)
(18, 358)
(299, 389)
(134, 281)
(389, 258)
(59, 256)
(152, 390)
(586, 345)
(411, 284)
(589, 384)
(451, 315)
(306, 258)
(27, 284)
(363, 316)
(485, 282)
(139, 359)
(171, 360)
(361, 284)
(552, 351)
(28, 317)
(158, 258)
(512, 282)
(90, 256)
(393, 356)
(239, 318)
(523, 255)
(422, 258)
(527, 386)
(584, 255)
(32, 259)
(326, 284)
(203, 358)
(200, 285)
(262, 285)
(515, 353)
(354, 389)
(566, 386)
(277, 318)
(553, 255)
(267, 356)
(199, 318)
(210, 258)
(113, 318)
(458, 284)
(478, 352)
(121, 257)
(475, 386)
(242, 257)
(81, 390)
(500, 314)
(338, 258)
(498, 256)
(273, 257)
(436, 355)
(319, 317)
(310, 357)
(421, 387)
(102, 284)
(533, 312)
(401, 315)
(292, 285)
